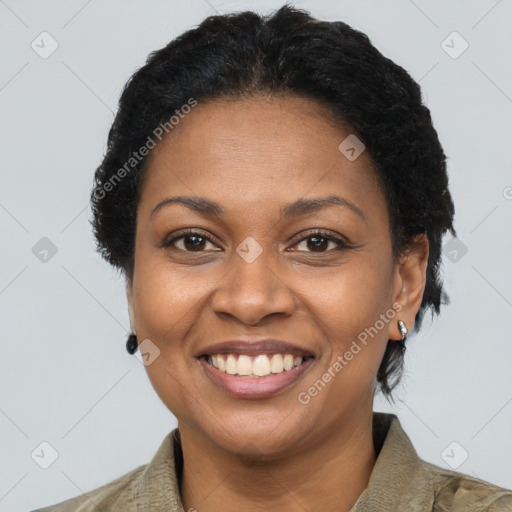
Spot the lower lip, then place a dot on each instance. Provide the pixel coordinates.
(255, 387)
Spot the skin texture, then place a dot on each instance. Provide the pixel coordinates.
(254, 156)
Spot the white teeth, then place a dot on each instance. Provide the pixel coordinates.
(231, 365)
(244, 365)
(261, 366)
(258, 366)
(288, 362)
(276, 364)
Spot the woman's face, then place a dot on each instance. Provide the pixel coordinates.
(255, 268)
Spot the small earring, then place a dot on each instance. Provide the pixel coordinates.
(131, 344)
(403, 332)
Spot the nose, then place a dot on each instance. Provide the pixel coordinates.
(252, 291)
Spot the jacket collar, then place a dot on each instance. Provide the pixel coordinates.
(400, 481)
(158, 487)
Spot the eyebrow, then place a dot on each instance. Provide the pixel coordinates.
(210, 208)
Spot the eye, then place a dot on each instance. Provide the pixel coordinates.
(191, 241)
(316, 241)
(319, 240)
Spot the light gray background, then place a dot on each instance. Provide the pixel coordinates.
(65, 377)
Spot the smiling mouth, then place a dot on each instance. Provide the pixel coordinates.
(258, 366)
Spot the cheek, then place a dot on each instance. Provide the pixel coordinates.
(166, 299)
(349, 309)
(166, 304)
(353, 297)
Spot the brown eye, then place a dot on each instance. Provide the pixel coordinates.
(189, 242)
(318, 241)
(193, 243)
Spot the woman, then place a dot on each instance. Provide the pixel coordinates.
(276, 196)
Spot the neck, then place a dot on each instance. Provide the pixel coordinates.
(328, 474)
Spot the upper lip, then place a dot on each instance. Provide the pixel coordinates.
(255, 347)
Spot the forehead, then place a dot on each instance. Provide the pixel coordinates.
(258, 152)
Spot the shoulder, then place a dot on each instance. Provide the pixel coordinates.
(152, 487)
(454, 492)
(116, 495)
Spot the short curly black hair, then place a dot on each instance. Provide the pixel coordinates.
(286, 52)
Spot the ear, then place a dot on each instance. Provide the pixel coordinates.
(409, 284)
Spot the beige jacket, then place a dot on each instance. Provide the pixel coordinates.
(400, 482)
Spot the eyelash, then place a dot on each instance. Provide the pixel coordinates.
(326, 234)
